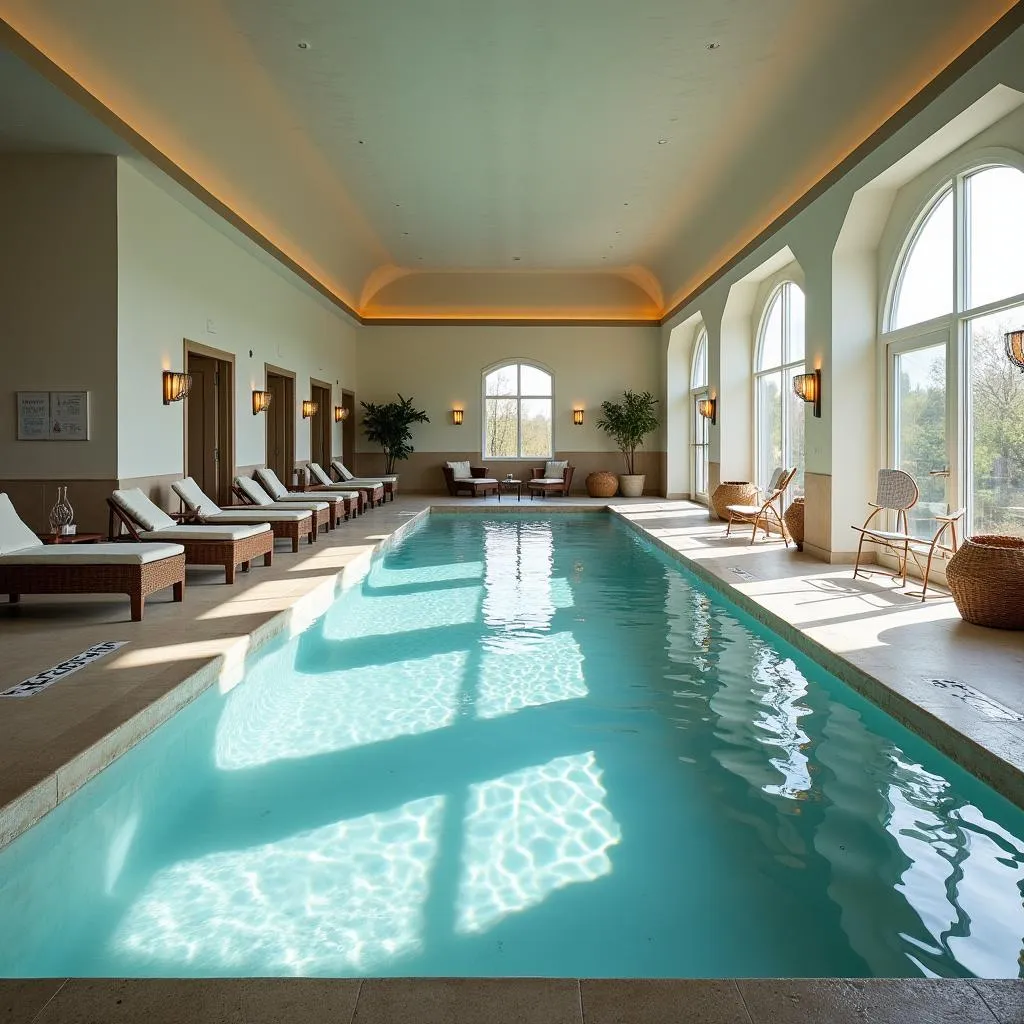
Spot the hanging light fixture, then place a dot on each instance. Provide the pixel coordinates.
(260, 402)
(1015, 348)
(340, 413)
(807, 387)
(708, 408)
(176, 386)
(309, 408)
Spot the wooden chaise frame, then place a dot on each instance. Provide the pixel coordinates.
(228, 553)
(389, 485)
(470, 484)
(137, 580)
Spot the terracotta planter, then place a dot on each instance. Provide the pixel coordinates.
(631, 485)
(732, 492)
(986, 579)
(602, 484)
(793, 517)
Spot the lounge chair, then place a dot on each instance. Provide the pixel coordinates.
(462, 478)
(897, 491)
(286, 524)
(226, 545)
(346, 503)
(345, 476)
(249, 492)
(764, 514)
(551, 478)
(27, 566)
(372, 490)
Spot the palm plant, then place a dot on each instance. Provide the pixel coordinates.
(389, 425)
(628, 422)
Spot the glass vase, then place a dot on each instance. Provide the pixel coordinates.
(62, 515)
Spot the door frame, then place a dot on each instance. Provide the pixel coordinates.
(348, 429)
(280, 371)
(225, 416)
(327, 424)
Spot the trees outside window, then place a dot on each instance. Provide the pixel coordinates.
(698, 392)
(957, 403)
(779, 414)
(517, 418)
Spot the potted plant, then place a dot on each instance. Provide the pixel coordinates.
(389, 425)
(628, 422)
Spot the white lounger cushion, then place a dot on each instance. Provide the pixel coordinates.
(92, 554)
(347, 476)
(241, 514)
(195, 499)
(14, 534)
(291, 498)
(547, 480)
(224, 533)
(253, 491)
(270, 482)
(141, 511)
(360, 482)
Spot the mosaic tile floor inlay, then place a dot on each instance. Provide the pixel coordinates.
(39, 682)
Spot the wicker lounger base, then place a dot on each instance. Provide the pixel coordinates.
(230, 553)
(135, 580)
(295, 530)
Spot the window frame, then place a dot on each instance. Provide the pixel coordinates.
(700, 446)
(518, 397)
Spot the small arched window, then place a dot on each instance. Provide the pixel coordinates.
(699, 364)
(518, 400)
(924, 287)
(779, 414)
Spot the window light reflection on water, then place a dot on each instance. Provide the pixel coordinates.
(514, 740)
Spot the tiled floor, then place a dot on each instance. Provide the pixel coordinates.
(51, 742)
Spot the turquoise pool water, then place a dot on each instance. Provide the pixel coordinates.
(523, 746)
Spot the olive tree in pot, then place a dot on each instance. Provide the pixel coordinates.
(628, 422)
(388, 424)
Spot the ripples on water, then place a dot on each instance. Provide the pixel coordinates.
(524, 747)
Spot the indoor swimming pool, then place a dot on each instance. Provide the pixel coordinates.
(523, 746)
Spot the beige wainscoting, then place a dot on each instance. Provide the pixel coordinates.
(421, 472)
(33, 500)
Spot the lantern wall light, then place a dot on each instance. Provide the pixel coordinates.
(340, 413)
(807, 387)
(260, 402)
(457, 415)
(1015, 348)
(309, 408)
(577, 417)
(708, 408)
(176, 386)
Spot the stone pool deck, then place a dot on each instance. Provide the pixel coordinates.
(887, 644)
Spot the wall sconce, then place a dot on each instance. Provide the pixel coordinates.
(340, 413)
(309, 409)
(260, 402)
(577, 417)
(807, 387)
(1015, 348)
(457, 417)
(176, 386)
(708, 408)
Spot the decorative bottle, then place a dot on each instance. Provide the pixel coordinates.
(62, 515)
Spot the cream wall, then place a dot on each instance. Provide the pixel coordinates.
(441, 367)
(180, 278)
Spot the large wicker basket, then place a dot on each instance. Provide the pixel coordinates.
(732, 492)
(986, 578)
(602, 484)
(793, 517)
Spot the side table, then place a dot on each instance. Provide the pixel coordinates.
(74, 538)
(508, 486)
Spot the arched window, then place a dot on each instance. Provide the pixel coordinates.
(517, 412)
(779, 414)
(947, 372)
(699, 391)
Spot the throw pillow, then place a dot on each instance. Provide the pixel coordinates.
(460, 470)
(554, 470)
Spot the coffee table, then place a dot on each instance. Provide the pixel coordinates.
(508, 486)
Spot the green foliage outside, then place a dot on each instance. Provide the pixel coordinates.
(628, 422)
(504, 420)
(389, 424)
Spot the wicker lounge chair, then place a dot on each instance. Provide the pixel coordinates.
(372, 490)
(897, 491)
(345, 476)
(286, 524)
(461, 478)
(346, 503)
(27, 566)
(551, 478)
(225, 545)
(764, 514)
(249, 492)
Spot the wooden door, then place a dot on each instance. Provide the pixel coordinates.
(320, 426)
(281, 426)
(203, 406)
(348, 431)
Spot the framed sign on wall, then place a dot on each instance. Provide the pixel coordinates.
(53, 415)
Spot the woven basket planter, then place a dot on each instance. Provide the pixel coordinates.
(793, 517)
(986, 578)
(732, 492)
(602, 484)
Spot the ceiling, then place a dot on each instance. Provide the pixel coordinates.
(545, 138)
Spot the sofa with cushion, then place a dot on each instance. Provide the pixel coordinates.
(462, 478)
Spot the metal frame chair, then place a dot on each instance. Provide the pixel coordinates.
(761, 515)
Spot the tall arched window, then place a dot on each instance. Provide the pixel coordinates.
(779, 414)
(517, 412)
(698, 391)
(947, 372)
